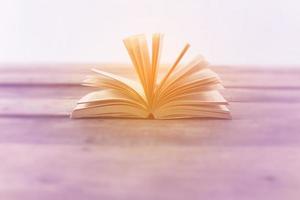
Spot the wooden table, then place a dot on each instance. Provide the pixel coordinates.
(46, 155)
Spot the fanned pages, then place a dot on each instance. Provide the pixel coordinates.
(185, 91)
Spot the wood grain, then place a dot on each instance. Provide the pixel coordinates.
(46, 155)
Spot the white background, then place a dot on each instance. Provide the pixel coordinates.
(232, 32)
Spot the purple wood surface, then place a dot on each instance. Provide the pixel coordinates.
(46, 155)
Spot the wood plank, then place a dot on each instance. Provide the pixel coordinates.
(62, 107)
(256, 124)
(231, 77)
(9, 93)
(153, 172)
(44, 92)
(229, 81)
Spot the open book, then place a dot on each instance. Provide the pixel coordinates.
(184, 91)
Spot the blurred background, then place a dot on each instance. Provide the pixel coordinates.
(231, 32)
